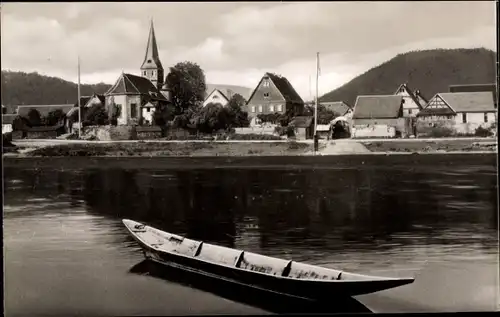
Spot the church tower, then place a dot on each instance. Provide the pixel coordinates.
(151, 67)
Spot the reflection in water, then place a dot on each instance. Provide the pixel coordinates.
(269, 301)
(356, 219)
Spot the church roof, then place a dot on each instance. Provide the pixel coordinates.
(129, 84)
(152, 58)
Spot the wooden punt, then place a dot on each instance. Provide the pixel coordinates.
(285, 277)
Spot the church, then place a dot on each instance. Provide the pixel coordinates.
(136, 98)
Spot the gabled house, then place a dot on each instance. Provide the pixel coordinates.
(413, 100)
(477, 88)
(135, 97)
(274, 94)
(465, 111)
(216, 96)
(379, 116)
(340, 107)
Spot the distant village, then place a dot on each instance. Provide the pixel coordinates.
(463, 110)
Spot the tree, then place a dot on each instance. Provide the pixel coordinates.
(187, 83)
(54, 117)
(325, 115)
(34, 117)
(19, 123)
(238, 117)
(211, 118)
(163, 114)
(96, 115)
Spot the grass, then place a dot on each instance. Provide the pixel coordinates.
(454, 145)
(153, 149)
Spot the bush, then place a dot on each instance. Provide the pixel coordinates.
(482, 132)
(440, 132)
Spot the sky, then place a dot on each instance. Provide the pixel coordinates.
(236, 42)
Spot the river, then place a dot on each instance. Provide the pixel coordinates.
(67, 252)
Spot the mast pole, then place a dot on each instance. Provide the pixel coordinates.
(80, 125)
(316, 99)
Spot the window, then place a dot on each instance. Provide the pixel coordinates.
(464, 117)
(280, 107)
(148, 109)
(149, 61)
(485, 117)
(253, 108)
(266, 95)
(153, 73)
(265, 83)
(409, 111)
(144, 73)
(271, 108)
(215, 97)
(260, 108)
(133, 110)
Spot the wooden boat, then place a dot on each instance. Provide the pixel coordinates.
(250, 269)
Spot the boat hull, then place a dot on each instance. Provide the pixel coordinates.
(308, 289)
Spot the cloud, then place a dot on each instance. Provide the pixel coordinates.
(235, 43)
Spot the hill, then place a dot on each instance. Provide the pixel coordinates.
(431, 71)
(20, 88)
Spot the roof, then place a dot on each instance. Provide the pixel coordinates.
(43, 109)
(339, 107)
(435, 112)
(302, 121)
(83, 100)
(229, 90)
(284, 87)
(8, 118)
(476, 88)
(416, 95)
(377, 106)
(152, 58)
(480, 101)
(128, 84)
(222, 94)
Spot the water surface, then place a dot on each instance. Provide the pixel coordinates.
(66, 251)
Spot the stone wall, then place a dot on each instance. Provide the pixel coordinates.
(436, 128)
(111, 133)
(41, 134)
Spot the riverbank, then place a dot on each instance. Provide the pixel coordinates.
(432, 145)
(162, 149)
(251, 148)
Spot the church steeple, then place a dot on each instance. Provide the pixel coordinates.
(151, 66)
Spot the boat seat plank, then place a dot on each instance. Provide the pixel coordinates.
(287, 269)
(199, 249)
(240, 259)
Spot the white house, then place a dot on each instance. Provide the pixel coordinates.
(466, 111)
(413, 100)
(216, 96)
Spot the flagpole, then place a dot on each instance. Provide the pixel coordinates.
(316, 99)
(79, 103)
